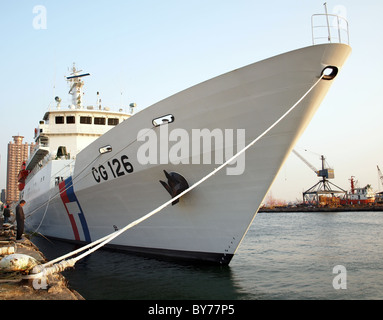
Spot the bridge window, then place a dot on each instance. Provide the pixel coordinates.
(59, 119)
(113, 121)
(86, 120)
(100, 121)
(70, 119)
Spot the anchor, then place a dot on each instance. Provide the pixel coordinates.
(176, 184)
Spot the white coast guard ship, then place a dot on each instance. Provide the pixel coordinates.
(85, 179)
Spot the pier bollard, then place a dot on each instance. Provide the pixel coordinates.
(7, 250)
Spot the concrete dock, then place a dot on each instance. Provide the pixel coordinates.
(13, 287)
(321, 209)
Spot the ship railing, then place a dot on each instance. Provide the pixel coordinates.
(39, 146)
(329, 28)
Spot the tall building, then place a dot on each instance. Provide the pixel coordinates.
(17, 153)
(2, 197)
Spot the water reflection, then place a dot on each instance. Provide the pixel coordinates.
(114, 275)
(283, 256)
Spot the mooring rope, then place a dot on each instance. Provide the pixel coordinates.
(44, 269)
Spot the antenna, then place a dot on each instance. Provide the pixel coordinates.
(78, 76)
(328, 23)
(98, 103)
(132, 106)
(76, 86)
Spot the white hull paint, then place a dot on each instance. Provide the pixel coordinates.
(209, 222)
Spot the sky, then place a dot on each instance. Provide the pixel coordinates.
(143, 51)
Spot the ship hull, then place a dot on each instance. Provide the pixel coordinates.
(107, 191)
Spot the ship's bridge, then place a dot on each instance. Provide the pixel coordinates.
(74, 129)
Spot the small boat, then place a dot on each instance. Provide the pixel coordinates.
(358, 196)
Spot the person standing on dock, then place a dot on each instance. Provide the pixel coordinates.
(6, 214)
(20, 219)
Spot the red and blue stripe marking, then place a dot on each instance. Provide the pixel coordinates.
(69, 200)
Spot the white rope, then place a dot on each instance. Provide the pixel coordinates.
(40, 270)
(45, 212)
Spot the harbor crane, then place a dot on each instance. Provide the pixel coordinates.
(305, 161)
(380, 175)
(324, 173)
(323, 187)
(379, 195)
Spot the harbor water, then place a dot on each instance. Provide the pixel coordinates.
(285, 255)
